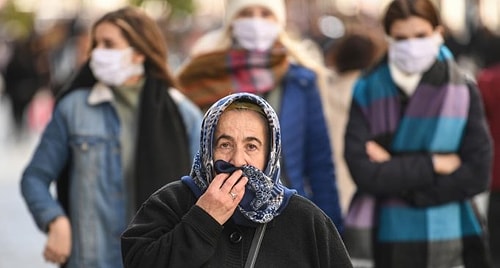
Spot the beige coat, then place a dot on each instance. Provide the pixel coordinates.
(336, 102)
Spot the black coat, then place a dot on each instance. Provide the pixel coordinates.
(170, 231)
(421, 186)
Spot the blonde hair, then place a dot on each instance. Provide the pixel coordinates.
(245, 105)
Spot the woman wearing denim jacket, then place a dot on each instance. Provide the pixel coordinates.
(252, 53)
(119, 132)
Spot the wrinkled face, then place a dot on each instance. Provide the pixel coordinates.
(257, 12)
(413, 27)
(241, 139)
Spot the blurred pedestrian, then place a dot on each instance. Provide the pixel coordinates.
(488, 80)
(418, 149)
(252, 53)
(119, 132)
(232, 210)
(70, 54)
(25, 74)
(347, 58)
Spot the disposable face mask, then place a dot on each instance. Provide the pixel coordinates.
(255, 33)
(114, 66)
(415, 55)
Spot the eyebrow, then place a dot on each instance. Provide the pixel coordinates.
(247, 139)
(416, 35)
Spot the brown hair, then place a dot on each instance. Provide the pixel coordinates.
(403, 9)
(144, 35)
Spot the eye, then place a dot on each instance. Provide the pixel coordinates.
(267, 14)
(225, 146)
(252, 147)
(245, 13)
(400, 38)
(109, 44)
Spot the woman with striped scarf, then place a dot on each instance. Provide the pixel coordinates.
(418, 150)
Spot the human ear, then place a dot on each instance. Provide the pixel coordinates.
(138, 57)
(439, 29)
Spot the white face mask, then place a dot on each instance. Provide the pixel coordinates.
(114, 66)
(255, 33)
(415, 55)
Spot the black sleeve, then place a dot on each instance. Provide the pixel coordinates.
(402, 173)
(475, 152)
(165, 233)
(412, 175)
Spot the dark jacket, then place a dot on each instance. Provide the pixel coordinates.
(415, 207)
(170, 231)
(422, 186)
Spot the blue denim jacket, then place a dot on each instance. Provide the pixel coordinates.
(85, 123)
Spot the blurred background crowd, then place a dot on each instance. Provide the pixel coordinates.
(43, 42)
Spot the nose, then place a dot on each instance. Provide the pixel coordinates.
(238, 158)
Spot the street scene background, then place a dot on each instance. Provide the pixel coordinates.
(56, 35)
(21, 242)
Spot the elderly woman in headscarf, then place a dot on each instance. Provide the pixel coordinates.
(233, 203)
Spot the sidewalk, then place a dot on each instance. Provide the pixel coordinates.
(22, 243)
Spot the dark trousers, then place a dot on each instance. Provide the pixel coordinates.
(494, 227)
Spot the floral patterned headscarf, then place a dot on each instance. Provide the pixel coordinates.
(265, 196)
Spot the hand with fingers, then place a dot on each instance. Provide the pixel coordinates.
(376, 152)
(58, 247)
(223, 195)
(445, 164)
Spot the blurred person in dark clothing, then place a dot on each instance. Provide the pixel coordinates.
(488, 80)
(418, 149)
(25, 73)
(70, 54)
